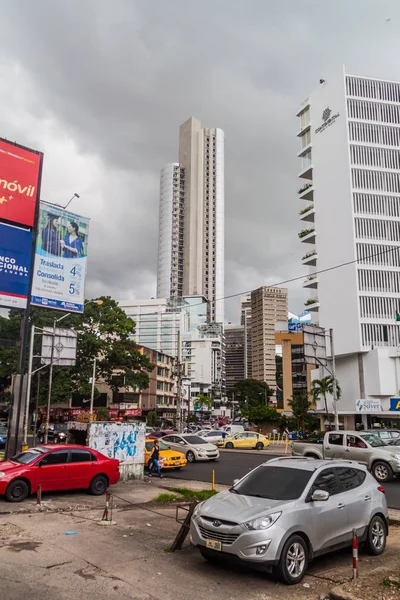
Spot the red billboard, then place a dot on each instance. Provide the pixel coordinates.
(19, 182)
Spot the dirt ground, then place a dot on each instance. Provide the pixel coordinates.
(62, 552)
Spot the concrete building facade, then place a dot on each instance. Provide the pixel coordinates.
(191, 227)
(269, 305)
(234, 356)
(350, 171)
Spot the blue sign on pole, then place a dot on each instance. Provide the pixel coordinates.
(15, 259)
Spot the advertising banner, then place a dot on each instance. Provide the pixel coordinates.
(60, 260)
(19, 181)
(395, 404)
(15, 257)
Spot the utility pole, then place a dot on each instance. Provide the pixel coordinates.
(92, 391)
(28, 389)
(179, 386)
(335, 398)
(46, 427)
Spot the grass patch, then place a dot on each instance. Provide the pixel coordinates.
(165, 498)
(199, 495)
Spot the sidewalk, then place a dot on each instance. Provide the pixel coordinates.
(130, 560)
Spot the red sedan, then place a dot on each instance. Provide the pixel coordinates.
(68, 468)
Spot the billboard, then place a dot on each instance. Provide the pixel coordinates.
(60, 259)
(15, 258)
(64, 346)
(19, 182)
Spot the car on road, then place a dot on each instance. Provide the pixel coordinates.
(159, 434)
(193, 446)
(3, 436)
(71, 467)
(287, 511)
(245, 440)
(366, 448)
(212, 436)
(58, 433)
(169, 459)
(386, 435)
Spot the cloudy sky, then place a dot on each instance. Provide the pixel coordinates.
(101, 86)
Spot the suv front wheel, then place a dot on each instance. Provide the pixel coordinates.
(382, 471)
(293, 562)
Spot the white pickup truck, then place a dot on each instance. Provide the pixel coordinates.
(366, 448)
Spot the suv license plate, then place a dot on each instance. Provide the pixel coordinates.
(214, 545)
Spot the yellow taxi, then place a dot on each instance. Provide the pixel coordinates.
(245, 439)
(169, 459)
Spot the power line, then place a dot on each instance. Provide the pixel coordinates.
(293, 279)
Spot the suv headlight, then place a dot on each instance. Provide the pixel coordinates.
(197, 509)
(263, 522)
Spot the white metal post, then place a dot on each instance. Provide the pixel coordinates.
(28, 387)
(92, 392)
(46, 429)
(179, 386)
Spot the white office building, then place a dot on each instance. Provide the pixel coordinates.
(191, 222)
(349, 130)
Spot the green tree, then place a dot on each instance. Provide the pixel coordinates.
(252, 392)
(205, 401)
(151, 418)
(102, 414)
(103, 332)
(300, 405)
(323, 387)
(261, 414)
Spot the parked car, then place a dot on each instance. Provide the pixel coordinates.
(366, 448)
(212, 436)
(58, 433)
(245, 439)
(3, 436)
(169, 459)
(159, 434)
(287, 511)
(193, 446)
(232, 429)
(386, 435)
(68, 468)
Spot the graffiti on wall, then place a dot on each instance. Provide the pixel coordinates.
(124, 441)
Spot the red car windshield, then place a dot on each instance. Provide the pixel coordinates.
(27, 457)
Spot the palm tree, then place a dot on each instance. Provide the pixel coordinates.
(300, 406)
(323, 387)
(205, 401)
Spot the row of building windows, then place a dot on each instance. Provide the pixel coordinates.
(379, 281)
(373, 111)
(374, 204)
(380, 335)
(379, 307)
(384, 181)
(370, 88)
(374, 134)
(375, 157)
(377, 229)
(375, 254)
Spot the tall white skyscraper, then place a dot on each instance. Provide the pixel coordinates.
(350, 171)
(191, 228)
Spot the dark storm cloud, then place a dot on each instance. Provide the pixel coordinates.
(103, 86)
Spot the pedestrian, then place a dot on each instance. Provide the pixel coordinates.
(286, 433)
(274, 432)
(155, 458)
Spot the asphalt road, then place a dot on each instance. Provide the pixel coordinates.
(233, 465)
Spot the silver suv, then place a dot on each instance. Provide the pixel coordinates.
(289, 510)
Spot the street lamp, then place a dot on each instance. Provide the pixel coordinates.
(46, 430)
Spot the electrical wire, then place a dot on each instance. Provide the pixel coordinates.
(291, 280)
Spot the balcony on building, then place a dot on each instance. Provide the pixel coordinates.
(305, 118)
(308, 213)
(306, 170)
(310, 259)
(306, 192)
(308, 236)
(312, 305)
(311, 282)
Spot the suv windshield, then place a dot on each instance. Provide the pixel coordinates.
(373, 440)
(274, 483)
(25, 458)
(194, 439)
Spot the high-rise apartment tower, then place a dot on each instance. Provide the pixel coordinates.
(191, 227)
